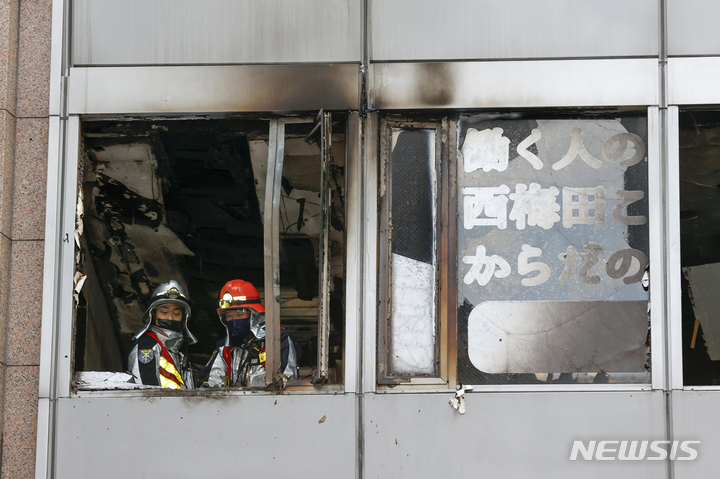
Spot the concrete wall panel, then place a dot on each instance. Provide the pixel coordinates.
(550, 83)
(696, 417)
(223, 436)
(692, 27)
(527, 435)
(512, 29)
(205, 89)
(160, 32)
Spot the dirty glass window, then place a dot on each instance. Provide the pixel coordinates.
(699, 240)
(552, 249)
(184, 200)
(409, 336)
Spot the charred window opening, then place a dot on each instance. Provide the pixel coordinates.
(699, 240)
(184, 200)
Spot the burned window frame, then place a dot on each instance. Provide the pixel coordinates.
(275, 163)
(444, 249)
(275, 126)
(447, 290)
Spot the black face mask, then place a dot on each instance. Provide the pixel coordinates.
(170, 324)
(239, 328)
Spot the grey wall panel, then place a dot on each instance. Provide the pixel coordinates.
(236, 436)
(692, 27)
(206, 89)
(693, 81)
(696, 417)
(484, 29)
(150, 32)
(528, 435)
(570, 83)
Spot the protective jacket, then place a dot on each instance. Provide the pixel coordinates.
(241, 362)
(155, 359)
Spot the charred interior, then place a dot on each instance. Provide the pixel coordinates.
(700, 244)
(184, 200)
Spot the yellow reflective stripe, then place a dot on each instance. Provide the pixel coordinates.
(167, 366)
(167, 383)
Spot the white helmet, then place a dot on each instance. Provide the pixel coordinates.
(169, 293)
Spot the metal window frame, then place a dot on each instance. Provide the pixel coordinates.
(444, 312)
(673, 262)
(57, 336)
(271, 240)
(447, 263)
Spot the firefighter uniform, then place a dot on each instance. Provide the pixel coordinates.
(156, 356)
(239, 361)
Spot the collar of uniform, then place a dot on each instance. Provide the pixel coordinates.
(172, 340)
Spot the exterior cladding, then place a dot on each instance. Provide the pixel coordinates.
(394, 433)
(25, 28)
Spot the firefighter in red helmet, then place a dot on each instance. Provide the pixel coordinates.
(239, 360)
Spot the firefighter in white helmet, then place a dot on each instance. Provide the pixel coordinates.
(157, 354)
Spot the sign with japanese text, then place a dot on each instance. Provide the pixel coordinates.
(551, 211)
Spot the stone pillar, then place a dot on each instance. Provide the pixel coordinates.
(25, 33)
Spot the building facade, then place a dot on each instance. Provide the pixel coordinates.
(488, 225)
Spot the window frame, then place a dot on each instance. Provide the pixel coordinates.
(445, 248)
(663, 334)
(271, 228)
(58, 332)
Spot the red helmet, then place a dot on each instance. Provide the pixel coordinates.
(239, 294)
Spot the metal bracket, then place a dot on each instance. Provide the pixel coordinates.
(458, 401)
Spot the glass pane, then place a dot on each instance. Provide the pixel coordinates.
(553, 245)
(413, 217)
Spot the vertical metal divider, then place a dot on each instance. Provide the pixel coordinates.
(66, 321)
(657, 269)
(451, 259)
(321, 374)
(370, 250)
(271, 248)
(353, 283)
(60, 62)
(666, 186)
(384, 258)
(673, 320)
(44, 464)
(674, 265)
(441, 251)
(453, 253)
